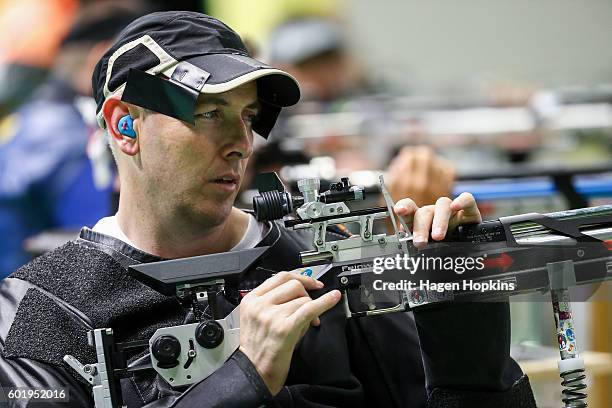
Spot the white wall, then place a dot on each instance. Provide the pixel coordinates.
(546, 42)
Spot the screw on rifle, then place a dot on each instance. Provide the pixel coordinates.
(367, 234)
(334, 247)
(580, 253)
(381, 240)
(340, 210)
(319, 242)
(89, 370)
(344, 280)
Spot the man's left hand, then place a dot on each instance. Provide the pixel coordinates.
(439, 218)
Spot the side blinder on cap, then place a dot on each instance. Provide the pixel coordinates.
(266, 119)
(176, 97)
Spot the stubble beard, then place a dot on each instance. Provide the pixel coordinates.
(209, 216)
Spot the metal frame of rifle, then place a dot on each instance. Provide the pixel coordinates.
(318, 216)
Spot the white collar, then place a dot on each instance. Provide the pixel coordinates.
(253, 235)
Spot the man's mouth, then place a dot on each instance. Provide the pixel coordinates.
(227, 180)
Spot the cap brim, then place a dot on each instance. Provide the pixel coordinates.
(228, 71)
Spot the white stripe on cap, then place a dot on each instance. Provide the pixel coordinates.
(166, 65)
(226, 86)
(166, 61)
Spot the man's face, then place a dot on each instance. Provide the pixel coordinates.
(193, 172)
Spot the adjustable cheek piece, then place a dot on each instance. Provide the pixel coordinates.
(125, 126)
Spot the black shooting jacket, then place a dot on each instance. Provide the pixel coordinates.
(47, 307)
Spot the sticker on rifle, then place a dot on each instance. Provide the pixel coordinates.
(562, 341)
(314, 272)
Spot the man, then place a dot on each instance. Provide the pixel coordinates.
(181, 133)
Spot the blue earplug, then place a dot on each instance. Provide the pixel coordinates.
(126, 127)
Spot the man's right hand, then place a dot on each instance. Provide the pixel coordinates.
(274, 317)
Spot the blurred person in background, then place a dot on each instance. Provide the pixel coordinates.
(313, 50)
(27, 51)
(420, 173)
(46, 177)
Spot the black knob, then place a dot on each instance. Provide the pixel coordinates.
(166, 350)
(209, 334)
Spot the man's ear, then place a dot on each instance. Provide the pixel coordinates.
(113, 110)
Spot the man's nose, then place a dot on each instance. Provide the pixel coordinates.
(239, 141)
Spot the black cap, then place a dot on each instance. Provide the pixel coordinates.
(166, 59)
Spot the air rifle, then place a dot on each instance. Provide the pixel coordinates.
(526, 253)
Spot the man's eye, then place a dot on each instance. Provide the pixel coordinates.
(209, 115)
